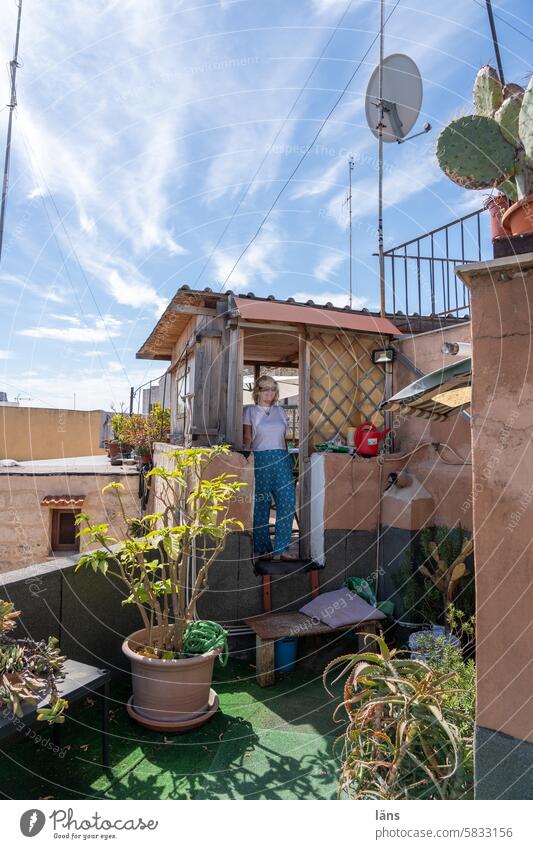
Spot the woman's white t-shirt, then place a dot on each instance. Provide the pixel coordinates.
(269, 426)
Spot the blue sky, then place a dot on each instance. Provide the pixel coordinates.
(140, 123)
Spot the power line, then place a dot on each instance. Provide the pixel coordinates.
(504, 21)
(273, 142)
(310, 146)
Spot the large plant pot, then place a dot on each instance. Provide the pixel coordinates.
(173, 695)
(518, 220)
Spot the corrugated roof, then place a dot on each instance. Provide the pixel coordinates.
(182, 307)
(254, 309)
(436, 395)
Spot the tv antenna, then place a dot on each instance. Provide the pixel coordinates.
(348, 203)
(393, 101)
(13, 65)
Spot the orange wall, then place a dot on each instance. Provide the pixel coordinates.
(38, 433)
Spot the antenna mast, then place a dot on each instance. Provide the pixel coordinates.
(380, 164)
(350, 169)
(13, 65)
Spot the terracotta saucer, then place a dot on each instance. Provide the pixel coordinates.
(176, 727)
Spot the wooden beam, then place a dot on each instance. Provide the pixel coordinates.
(192, 310)
(264, 662)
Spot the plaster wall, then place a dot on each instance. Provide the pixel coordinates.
(35, 433)
(25, 526)
(232, 464)
(502, 407)
(424, 351)
(354, 486)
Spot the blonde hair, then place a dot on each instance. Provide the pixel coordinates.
(260, 384)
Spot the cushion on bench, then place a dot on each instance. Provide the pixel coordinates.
(341, 607)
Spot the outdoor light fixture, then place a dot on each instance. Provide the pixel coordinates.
(382, 355)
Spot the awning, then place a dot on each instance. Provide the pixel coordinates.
(63, 501)
(437, 395)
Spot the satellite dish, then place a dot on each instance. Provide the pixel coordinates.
(402, 98)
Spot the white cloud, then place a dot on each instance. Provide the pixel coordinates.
(134, 293)
(102, 330)
(70, 318)
(328, 265)
(256, 265)
(5, 355)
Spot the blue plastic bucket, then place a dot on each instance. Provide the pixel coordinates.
(285, 653)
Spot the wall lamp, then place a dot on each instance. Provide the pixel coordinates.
(383, 355)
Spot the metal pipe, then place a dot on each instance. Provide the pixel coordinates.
(495, 41)
(380, 166)
(13, 65)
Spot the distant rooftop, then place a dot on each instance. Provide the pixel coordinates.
(91, 465)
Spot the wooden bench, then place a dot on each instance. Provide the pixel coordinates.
(269, 627)
(80, 681)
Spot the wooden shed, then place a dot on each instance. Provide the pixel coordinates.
(209, 338)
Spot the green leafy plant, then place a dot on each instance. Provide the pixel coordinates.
(494, 147)
(439, 572)
(154, 557)
(398, 743)
(142, 431)
(29, 670)
(459, 695)
(118, 422)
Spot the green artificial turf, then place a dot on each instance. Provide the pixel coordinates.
(264, 743)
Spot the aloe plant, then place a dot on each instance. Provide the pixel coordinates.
(397, 743)
(492, 148)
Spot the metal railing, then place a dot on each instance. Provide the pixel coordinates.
(419, 274)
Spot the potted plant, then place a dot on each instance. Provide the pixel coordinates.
(444, 566)
(173, 654)
(142, 431)
(119, 444)
(29, 671)
(494, 149)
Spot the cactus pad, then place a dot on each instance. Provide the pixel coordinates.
(507, 118)
(488, 92)
(525, 123)
(474, 154)
(508, 187)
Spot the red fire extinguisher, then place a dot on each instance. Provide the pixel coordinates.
(367, 438)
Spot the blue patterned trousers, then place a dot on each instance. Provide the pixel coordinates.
(273, 480)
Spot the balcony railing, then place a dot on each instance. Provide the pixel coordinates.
(419, 274)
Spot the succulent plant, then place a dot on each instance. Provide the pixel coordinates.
(494, 147)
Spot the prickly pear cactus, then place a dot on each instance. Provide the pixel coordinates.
(474, 154)
(494, 147)
(488, 92)
(507, 117)
(525, 123)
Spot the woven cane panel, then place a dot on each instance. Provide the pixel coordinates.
(346, 388)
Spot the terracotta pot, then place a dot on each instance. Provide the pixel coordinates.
(172, 691)
(496, 206)
(518, 219)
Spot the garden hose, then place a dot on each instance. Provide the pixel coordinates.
(202, 636)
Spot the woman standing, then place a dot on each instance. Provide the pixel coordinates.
(264, 433)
